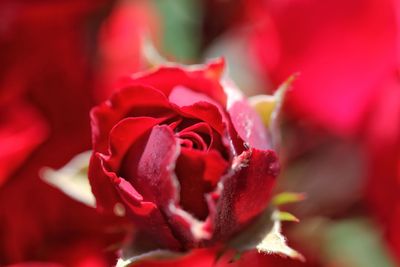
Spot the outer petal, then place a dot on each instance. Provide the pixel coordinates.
(245, 119)
(121, 137)
(132, 101)
(102, 187)
(198, 173)
(245, 193)
(110, 189)
(202, 78)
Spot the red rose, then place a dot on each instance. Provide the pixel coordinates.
(184, 153)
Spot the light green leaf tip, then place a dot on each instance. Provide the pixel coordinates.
(269, 108)
(287, 198)
(285, 216)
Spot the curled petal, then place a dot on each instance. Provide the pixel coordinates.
(134, 101)
(201, 78)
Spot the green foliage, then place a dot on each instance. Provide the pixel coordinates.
(181, 22)
(356, 243)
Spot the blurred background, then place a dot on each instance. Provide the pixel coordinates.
(341, 119)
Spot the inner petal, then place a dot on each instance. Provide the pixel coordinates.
(195, 139)
(203, 130)
(149, 165)
(198, 173)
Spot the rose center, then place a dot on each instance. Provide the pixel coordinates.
(192, 140)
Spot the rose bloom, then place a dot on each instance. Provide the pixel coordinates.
(183, 154)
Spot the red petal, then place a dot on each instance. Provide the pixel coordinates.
(198, 173)
(133, 101)
(152, 174)
(248, 125)
(102, 187)
(126, 133)
(246, 193)
(204, 79)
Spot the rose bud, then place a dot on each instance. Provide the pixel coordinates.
(182, 153)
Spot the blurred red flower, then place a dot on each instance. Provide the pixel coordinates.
(347, 54)
(48, 51)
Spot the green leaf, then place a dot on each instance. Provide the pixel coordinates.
(287, 198)
(285, 216)
(356, 243)
(181, 20)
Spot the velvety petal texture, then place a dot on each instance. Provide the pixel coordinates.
(187, 159)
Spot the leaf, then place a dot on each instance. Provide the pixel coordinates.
(275, 242)
(285, 216)
(264, 105)
(182, 28)
(269, 108)
(356, 242)
(287, 198)
(72, 179)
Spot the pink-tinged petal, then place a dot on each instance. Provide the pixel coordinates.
(248, 125)
(245, 192)
(202, 78)
(183, 96)
(198, 173)
(152, 174)
(129, 102)
(245, 119)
